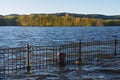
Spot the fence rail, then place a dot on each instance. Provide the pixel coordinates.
(26, 59)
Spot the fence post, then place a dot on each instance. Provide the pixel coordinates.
(78, 62)
(28, 57)
(115, 44)
(80, 51)
(61, 58)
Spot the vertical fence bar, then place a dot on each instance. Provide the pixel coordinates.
(16, 61)
(4, 64)
(23, 60)
(80, 51)
(68, 53)
(28, 57)
(42, 59)
(36, 58)
(115, 44)
(12, 60)
(20, 58)
(40, 53)
(65, 50)
(53, 55)
(56, 60)
(8, 60)
(46, 49)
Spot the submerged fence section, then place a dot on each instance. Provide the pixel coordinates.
(42, 56)
(12, 60)
(25, 59)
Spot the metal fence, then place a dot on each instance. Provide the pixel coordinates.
(26, 59)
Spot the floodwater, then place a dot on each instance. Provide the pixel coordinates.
(98, 69)
(103, 69)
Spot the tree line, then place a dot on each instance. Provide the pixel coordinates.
(55, 20)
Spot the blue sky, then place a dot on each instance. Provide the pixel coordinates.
(106, 7)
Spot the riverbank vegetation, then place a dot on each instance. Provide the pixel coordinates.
(59, 19)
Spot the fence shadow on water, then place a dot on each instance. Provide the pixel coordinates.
(28, 61)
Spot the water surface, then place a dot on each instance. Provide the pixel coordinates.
(19, 36)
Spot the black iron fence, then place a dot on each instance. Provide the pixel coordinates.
(27, 59)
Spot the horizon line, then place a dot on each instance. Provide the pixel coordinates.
(60, 12)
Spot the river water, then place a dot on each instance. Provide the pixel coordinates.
(17, 36)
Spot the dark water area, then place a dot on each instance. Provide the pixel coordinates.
(19, 36)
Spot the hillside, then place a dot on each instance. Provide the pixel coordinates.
(59, 19)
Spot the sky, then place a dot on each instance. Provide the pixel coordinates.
(105, 7)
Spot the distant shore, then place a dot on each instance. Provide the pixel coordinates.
(59, 19)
